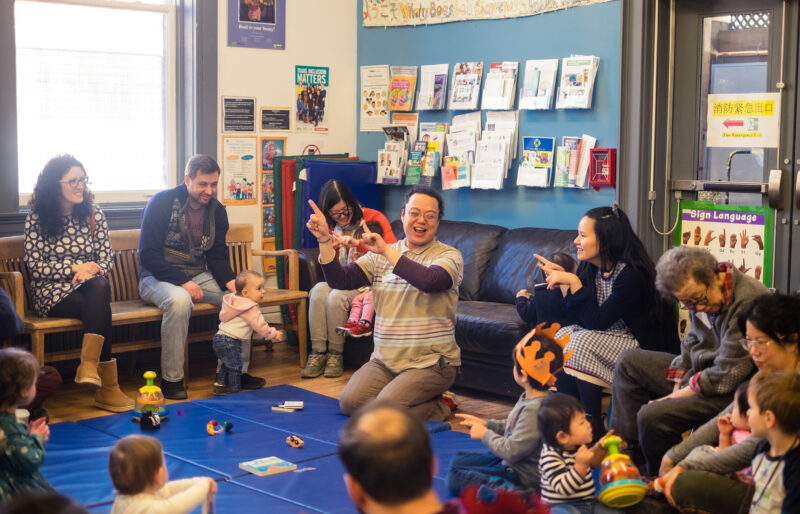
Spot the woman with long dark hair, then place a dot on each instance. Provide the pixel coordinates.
(68, 253)
(614, 301)
(327, 307)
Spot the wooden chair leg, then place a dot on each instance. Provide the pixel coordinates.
(186, 364)
(302, 331)
(37, 346)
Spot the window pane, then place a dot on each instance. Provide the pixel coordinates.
(734, 60)
(92, 81)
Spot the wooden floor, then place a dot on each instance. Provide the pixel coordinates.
(279, 366)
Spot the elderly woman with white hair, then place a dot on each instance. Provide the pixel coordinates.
(657, 396)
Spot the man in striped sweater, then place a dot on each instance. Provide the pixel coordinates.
(415, 292)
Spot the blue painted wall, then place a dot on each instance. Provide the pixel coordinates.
(589, 30)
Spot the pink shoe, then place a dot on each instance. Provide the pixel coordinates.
(361, 329)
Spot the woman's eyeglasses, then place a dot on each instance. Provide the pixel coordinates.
(760, 346)
(75, 182)
(342, 213)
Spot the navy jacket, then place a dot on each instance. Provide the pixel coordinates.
(154, 230)
(627, 302)
(546, 306)
(10, 324)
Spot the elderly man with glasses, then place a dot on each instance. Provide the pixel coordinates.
(657, 396)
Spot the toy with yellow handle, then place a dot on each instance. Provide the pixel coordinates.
(150, 399)
(621, 485)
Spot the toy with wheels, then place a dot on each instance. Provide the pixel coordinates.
(150, 399)
(621, 485)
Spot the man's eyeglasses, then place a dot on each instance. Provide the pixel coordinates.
(760, 346)
(341, 213)
(75, 182)
(430, 217)
(693, 304)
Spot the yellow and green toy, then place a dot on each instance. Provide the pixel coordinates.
(150, 399)
(621, 485)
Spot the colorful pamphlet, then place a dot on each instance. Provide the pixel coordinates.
(577, 82)
(267, 466)
(539, 85)
(536, 167)
(500, 86)
(466, 85)
(432, 87)
(402, 86)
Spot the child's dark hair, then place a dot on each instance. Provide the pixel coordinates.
(741, 397)
(241, 279)
(555, 415)
(564, 260)
(134, 462)
(18, 371)
(779, 392)
(373, 226)
(546, 344)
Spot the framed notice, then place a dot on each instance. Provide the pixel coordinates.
(239, 170)
(238, 114)
(276, 119)
(257, 23)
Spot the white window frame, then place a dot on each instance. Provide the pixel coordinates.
(142, 195)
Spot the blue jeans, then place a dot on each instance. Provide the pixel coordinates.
(582, 507)
(177, 305)
(468, 468)
(229, 351)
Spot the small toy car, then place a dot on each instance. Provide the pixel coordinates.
(294, 441)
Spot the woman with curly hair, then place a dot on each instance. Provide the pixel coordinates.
(68, 253)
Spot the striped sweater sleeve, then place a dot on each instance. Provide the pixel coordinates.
(560, 481)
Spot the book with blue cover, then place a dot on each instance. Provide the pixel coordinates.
(267, 466)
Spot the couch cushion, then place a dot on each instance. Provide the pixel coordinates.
(513, 267)
(475, 241)
(488, 331)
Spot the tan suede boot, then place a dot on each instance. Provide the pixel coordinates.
(86, 374)
(110, 396)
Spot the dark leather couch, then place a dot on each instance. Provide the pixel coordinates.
(498, 262)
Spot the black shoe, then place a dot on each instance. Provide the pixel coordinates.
(173, 390)
(251, 382)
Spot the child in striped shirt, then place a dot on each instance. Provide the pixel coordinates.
(566, 463)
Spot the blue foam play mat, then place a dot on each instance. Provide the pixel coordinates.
(76, 463)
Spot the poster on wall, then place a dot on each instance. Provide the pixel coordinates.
(393, 13)
(271, 148)
(257, 23)
(374, 100)
(276, 119)
(741, 235)
(311, 94)
(239, 170)
(238, 114)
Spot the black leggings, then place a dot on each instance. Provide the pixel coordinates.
(590, 395)
(90, 303)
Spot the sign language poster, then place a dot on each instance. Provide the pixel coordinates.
(739, 235)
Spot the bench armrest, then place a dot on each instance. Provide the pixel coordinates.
(294, 281)
(11, 281)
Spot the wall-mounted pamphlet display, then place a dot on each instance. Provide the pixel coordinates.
(432, 87)
(539, 84)
(402, 86)
(466, 85)
(577, 81)
(374, 99)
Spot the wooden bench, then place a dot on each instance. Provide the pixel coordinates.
(127, 308)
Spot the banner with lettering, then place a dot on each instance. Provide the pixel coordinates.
(384, 13)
